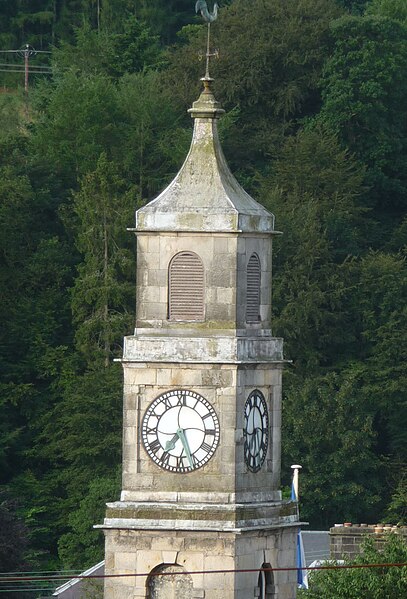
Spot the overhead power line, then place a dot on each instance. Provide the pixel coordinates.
(27, 52)
(332, 566)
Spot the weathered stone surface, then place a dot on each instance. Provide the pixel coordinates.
(201, 349)
(222, 516)
(225, 282)
(204, 196)
(170, 582)
(226, 477)
(204, 552)
(235, 516)
(225, 279)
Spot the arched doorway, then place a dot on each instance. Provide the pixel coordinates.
(169, 581)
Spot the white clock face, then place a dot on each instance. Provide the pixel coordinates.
(255, 431)
(180, 431)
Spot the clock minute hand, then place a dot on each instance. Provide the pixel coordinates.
(185, 445)
(171, 444)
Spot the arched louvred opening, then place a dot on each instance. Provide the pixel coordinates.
(186, 288)
(266, 588)
(253, 289)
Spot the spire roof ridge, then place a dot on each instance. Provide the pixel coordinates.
(205, 195)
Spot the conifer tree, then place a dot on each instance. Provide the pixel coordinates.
(102, 298)
(364, 87)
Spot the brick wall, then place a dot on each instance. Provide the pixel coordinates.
(346, 540)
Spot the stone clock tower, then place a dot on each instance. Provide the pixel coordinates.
(202, 396)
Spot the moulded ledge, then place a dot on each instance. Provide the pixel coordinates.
(140, 515)
(203, 349)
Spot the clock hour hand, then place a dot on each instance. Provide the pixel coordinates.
(171, 444)
(185, 445)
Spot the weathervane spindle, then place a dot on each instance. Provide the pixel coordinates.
(209, 17)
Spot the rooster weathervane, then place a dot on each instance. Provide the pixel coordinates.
(209, 17)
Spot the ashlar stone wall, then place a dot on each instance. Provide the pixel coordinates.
(224, 257)
(146, 552)
(226, 477)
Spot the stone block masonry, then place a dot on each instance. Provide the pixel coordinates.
(346, 541)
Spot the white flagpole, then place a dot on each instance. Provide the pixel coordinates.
(302, 575)
(296, 475)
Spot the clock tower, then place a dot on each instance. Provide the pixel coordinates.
(201, 510)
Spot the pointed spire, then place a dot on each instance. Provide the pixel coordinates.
(205, 196)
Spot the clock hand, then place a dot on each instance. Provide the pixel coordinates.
(171, 444)
(185, 445)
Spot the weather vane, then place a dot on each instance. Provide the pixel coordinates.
(209, 17)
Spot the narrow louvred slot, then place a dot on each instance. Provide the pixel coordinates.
(186, 288)
(253, 289)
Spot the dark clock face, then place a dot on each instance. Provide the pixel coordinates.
(255, 431)
(180, 431)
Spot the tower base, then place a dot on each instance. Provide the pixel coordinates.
(165, 563)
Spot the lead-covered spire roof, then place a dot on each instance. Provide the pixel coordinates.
(205, 196)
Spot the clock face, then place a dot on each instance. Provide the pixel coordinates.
(255, 431)
(180, 431)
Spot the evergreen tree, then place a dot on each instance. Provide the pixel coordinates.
(71, 136)
(328, 427)
(165, 17)
(394, 9)
(315, 126)
(84, 546)
(364, 87)
(314, 190)
(13, 538)
(377, 302)
(272, 79)
(102, 298)
(154, 142)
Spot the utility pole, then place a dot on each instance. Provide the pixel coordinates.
(26, 53)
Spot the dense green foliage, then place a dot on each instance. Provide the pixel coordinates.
(13, 537)
(316, 129)
(364, 583)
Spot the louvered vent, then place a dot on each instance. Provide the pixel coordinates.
(253, 289)
(186, 287)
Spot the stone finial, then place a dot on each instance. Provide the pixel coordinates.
(206, 106)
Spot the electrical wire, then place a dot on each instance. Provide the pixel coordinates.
(17, 51)
(70, 572)
(32, 71)
(32, 590)
(200, 572)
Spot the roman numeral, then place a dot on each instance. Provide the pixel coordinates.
(182, 399)
(167, 403)
(165, 459)
(155, 445)
(206, 447)
(210, 431)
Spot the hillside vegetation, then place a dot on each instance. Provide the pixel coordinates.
(315, 129)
